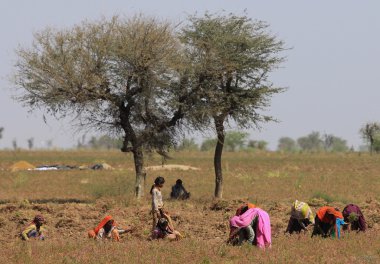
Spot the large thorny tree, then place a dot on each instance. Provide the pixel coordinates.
(231, 58)
(113, 75)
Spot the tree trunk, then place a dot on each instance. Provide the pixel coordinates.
(136, 149)
(138, 158)
(218, 157)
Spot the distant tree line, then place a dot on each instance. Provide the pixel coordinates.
(238, 141)
(313, 142)
(234, 141)
(101, 142)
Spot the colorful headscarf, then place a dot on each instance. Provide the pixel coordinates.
(102, 223)
(301, 210)
(328, 210)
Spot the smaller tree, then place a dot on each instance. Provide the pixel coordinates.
(287, 144)
(1, 132)
(369, 132)
(231, 60)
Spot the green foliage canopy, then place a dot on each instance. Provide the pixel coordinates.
(119, 75)
(111, 75)
(231, 57)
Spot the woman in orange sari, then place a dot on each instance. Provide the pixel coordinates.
(327, 222)
(106, 229)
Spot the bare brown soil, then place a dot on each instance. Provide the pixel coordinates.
(74, 201)
(195, 219)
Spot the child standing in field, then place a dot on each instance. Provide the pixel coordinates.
(34, 229)
(157, 203)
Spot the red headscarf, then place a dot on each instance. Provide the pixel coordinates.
(328, 210)
(102, 223)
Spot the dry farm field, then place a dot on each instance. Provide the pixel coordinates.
(74, 201)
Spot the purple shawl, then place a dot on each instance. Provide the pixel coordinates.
(352, 208)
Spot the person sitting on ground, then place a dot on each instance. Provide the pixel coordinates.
(179, 191)
(252, 226)
(328, 222)
(353, 215)
(34, 229)
(107, 229)
(244, 207)
(164, 231)
(300, 217)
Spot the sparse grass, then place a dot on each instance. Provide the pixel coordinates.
(74, 201)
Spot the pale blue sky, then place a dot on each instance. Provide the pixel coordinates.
(331, 70)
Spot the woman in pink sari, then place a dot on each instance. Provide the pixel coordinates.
(255, 225)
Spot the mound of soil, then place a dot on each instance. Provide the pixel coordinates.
(171, 167)
(21, 165)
